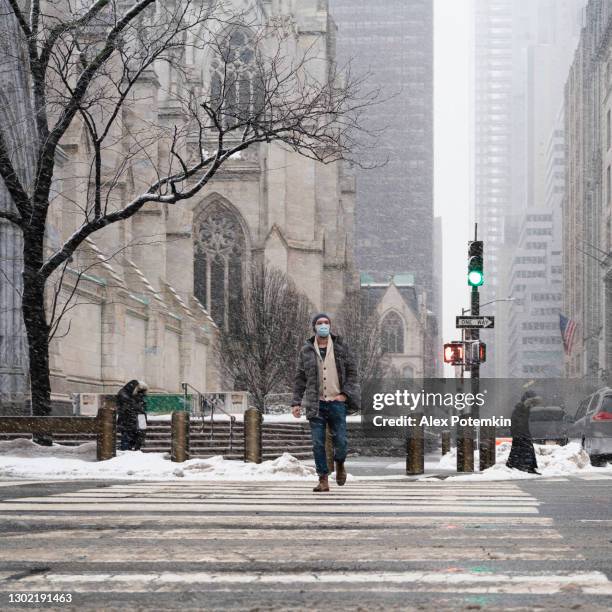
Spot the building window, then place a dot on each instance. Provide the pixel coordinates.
(408, 372)
(608, 185)
(219, 264)
(393, 333)
(608, 128)
(234, 84)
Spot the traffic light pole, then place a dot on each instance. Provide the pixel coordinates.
(475, 367)
(486, 438)
(465, 435)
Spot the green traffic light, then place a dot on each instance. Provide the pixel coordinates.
(475, 263)
(475, 278)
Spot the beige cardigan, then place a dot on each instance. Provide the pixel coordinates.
(328, 374)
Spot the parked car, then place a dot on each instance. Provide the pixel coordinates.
(548, 424)
(592, 425)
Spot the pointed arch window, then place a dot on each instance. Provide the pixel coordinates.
(220, 250)
(393, 333)
(234, 81)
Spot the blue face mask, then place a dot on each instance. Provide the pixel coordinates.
(322, 330)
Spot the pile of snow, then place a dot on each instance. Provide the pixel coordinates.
(24, 459)
(285, 467)
(21, 447)
(553, 460)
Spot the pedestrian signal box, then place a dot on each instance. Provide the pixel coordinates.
(454, 353)
(476, 352)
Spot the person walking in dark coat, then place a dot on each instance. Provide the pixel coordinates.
(131, 415)
(326, 387)
(522, 455)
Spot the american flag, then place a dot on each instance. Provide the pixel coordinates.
(568, 331)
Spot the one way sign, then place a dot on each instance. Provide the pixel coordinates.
(475, 322)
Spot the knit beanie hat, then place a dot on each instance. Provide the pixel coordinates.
(320, 315)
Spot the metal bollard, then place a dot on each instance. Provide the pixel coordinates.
(329, 449)
(446, 442)
(180, 437)
(252, 435)
(415, 448)
(106, 440)
(465, 449)
(487, 447)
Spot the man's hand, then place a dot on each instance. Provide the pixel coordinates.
(340, 398)
(296, 411)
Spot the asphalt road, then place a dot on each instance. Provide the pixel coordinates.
(372, 545)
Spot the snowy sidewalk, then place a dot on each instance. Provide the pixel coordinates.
(22, 458)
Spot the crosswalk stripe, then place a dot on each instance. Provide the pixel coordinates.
(17, 483)
(307, 484)
(299, 483)
(280, 502)
(282, 521)
(416, 581)
(238, 507)
(426, 532)
(308, 492)
(117, 551)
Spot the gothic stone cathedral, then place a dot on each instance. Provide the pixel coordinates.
(164, 281)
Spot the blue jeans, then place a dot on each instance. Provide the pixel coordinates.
(333, 413)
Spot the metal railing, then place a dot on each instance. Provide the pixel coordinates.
(203, 404)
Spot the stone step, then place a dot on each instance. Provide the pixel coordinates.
(277, 438)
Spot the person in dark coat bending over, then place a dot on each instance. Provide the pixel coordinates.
(131, 415)
(522, 455)
(326, 387)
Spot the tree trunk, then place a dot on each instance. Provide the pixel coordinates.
(37, 328)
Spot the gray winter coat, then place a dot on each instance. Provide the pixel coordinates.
(306, 388)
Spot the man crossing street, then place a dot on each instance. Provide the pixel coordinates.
(327, 388)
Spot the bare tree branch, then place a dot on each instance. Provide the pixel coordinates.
(259, 351)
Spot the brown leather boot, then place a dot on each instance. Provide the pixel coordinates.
(340, 473)
(323, 484)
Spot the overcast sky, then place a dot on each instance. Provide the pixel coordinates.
(452, 33)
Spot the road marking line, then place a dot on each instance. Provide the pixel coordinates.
(278, 503)
(207, 507)
(303, 493)
(543, 534)
(18, 483)
(593, 579)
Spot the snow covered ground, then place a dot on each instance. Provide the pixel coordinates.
(23, 459)
(552, 460)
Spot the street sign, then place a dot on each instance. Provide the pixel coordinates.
(475, 322)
